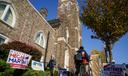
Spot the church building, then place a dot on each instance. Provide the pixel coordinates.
(60, 37)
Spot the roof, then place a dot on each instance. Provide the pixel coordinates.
(55, 23)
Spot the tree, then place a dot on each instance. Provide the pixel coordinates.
(94, 52)
(108, 19)
(101, 55)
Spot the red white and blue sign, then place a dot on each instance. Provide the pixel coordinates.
(18, 59)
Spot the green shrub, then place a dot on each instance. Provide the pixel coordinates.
(36, 73)
(3, 54)
(19, 72)
(56, 73)
(30, 73)
(44, 73)
(2, 74)
(5, 69)
(9, 72)
(3, 66)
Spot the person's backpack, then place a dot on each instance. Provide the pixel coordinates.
(78, 56)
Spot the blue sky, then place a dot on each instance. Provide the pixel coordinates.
(120, 49)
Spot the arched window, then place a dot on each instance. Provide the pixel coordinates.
(39, 39)
(3, 39)
(7, 14)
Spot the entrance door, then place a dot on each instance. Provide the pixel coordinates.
(66, 60)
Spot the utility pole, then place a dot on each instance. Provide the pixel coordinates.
(46, 50)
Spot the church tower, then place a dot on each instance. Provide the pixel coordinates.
(69, 32)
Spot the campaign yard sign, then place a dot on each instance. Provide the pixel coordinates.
(37, 65)
(18, 59)
(114, 70)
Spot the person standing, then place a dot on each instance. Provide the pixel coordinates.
(81, 57)
(51, 65)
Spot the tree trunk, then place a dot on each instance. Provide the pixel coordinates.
(106, 55)
(109, 50)
(110, 53)
(110, 56)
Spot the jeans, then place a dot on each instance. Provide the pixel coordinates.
(77, 66)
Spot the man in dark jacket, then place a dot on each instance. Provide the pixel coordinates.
(84, 59)
(51, 65)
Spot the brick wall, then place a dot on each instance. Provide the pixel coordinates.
(28, 23)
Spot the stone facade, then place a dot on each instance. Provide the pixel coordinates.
(28, 23)
(62, 42)
(70, 35)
